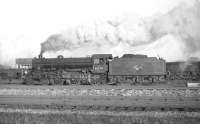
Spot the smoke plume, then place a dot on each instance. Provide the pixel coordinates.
(174, 35)
(55, 43)
(183, 22)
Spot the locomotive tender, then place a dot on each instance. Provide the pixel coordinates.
(137, 69)
(97, 69)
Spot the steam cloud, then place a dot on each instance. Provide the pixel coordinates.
(177, 31)
(183, 22)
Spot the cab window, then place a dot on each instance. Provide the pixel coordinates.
(96, 61)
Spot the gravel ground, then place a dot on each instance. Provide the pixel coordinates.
(100, 92)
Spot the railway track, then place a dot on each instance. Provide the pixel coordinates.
(104, 103)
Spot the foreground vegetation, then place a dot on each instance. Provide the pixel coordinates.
(31, 116)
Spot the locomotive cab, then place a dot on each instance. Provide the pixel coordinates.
(100, 62)
(100, 67)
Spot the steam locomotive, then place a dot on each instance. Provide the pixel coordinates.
(183, 70)
(104, 69)
(97, 69)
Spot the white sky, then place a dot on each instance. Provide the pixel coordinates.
(32, 17)
(24, 24)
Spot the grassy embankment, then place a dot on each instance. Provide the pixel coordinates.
(29, 116)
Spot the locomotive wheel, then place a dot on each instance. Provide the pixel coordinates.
(28, 81)
(51, 81)
(82, 82)
(66, 82)
(57, 81)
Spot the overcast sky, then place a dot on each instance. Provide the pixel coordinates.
(24, 24)
(30, 18)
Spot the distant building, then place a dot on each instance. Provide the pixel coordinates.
(24, 63)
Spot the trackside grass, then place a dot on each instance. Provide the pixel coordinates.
(38, 116)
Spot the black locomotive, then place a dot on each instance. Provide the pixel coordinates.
(97, 69)
(104, 69)
(183, 70)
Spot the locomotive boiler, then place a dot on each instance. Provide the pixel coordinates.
(97, 69)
